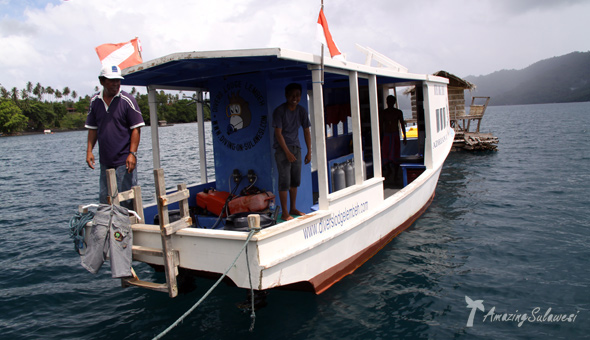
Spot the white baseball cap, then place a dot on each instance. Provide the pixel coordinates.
(111, 72)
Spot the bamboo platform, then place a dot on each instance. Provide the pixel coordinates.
(473, 141)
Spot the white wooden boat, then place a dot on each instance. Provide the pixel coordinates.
(342, 229)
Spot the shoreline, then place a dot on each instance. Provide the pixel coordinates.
(29, 133)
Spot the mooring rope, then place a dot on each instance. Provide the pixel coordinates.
(253, 315)
(77, 229)
(190, 310)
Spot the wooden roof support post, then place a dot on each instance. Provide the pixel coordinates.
(320, 136)
(154, 126)
(374, 107)
(429, 126)
(355, 112)
(201, 137)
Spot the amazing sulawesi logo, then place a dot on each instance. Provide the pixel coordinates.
(535, 315)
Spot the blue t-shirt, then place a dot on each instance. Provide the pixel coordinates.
(290, 121)
(114, 124)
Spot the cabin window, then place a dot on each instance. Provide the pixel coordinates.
(442, 119)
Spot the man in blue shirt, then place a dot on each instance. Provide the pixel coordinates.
(114, 120)
(287, 119)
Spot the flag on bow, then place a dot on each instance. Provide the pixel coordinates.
(325, 37)
(124, 54)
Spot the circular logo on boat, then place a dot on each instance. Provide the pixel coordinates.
(238, 116)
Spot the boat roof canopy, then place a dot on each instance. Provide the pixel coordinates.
(193, 70)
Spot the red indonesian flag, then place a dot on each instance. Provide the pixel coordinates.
(324, 36)
(122, 54)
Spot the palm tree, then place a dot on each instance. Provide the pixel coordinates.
(4, 92)
(38, 91)
(49, 90)
(24, 94)
(14, 93)
(24, 102)
(29, 88)
(74, 95)
(66, 92)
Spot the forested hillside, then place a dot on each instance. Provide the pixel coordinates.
(555, 80)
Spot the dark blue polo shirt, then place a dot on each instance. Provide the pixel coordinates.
(114, 124)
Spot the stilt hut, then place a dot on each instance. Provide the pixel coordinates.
(460, 119)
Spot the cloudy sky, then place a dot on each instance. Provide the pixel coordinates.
(52, 42)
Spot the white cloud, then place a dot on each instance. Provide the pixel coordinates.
(54, 43)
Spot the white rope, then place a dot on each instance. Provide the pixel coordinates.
(159, 336)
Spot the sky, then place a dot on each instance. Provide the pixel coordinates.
(52, 42)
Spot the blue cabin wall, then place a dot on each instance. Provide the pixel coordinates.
(251, 100)
(240, 130)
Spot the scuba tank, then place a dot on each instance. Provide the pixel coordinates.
(349, 173)
(339, 178)
(332, 170)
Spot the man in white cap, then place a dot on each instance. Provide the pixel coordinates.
(114, 120)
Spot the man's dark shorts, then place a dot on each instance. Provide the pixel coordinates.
(289, 173)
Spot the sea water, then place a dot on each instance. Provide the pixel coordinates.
(508, 230)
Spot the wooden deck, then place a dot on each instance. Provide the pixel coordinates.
(475, 141)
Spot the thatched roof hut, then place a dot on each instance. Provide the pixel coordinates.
(455, 81)
(456, 88)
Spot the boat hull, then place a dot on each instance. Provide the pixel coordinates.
(310, 253)
(326, 279)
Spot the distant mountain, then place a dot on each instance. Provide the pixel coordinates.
(555, 80)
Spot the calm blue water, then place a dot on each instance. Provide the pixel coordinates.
(510, 228)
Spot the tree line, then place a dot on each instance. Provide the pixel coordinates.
(36, 108)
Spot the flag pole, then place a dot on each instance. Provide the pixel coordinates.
(322, 62)
(139, 48)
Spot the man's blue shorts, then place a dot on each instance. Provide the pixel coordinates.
(289, 173)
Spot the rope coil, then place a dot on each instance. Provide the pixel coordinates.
(77, 229)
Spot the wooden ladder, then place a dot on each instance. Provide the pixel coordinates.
(171, 256)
